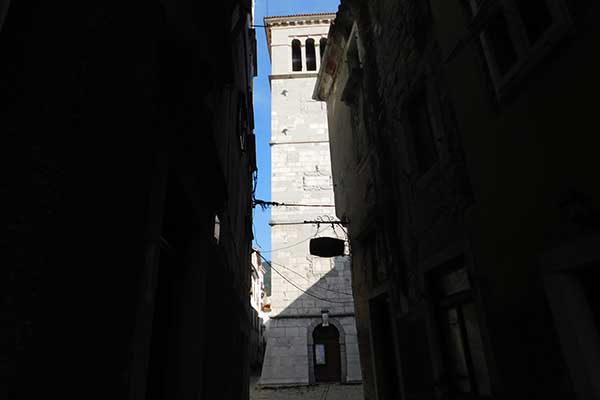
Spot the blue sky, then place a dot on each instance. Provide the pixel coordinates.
(262, 103)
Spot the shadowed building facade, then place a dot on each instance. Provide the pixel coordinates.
(127, 133)
(299, 349)
(462, 156)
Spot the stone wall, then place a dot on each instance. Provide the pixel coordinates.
(480, 184)
(289, 356)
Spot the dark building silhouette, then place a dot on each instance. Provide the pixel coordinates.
(463, 156)
(127, 132)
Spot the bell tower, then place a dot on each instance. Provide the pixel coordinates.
(304, 287)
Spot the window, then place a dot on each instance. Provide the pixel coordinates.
(322, 46)
(421, 130)
(311, 57)
(217, 229)
(465, 362)
(242, 120)
(296, 55)
(517, 34)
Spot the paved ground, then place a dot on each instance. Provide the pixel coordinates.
(317, 392)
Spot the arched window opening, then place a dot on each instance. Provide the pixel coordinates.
(311, 57)
(322, 46)
(296, 55)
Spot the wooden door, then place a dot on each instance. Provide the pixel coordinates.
(326, 352)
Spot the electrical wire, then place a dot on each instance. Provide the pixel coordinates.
(293, 284)
(255, 237)
(295, 272)
(307, 293)
(266, 204)
(315, 285)
(305, 278)
(292, 245)
(254, 230)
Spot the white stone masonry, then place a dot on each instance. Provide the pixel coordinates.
(302, 285)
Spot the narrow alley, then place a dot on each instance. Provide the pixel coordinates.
(299, 200)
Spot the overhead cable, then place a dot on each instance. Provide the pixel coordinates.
(307, 293)
(265, 204)
(292, 245)
(315, 285)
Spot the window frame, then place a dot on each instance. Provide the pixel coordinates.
(297, 64)
(528, 55)
(457, 300)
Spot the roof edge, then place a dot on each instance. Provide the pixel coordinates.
(299, 16)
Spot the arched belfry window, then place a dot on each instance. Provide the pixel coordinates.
(311, 57)
(296, 55)
(322, 46)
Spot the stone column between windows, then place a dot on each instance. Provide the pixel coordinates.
(303, 52)
(318, 52)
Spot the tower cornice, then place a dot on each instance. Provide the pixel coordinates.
(295, 20)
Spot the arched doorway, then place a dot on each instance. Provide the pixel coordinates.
(326, 351)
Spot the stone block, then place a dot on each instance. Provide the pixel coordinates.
(351, 339)
(352, 348)
(276, 332)
(291, 332)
